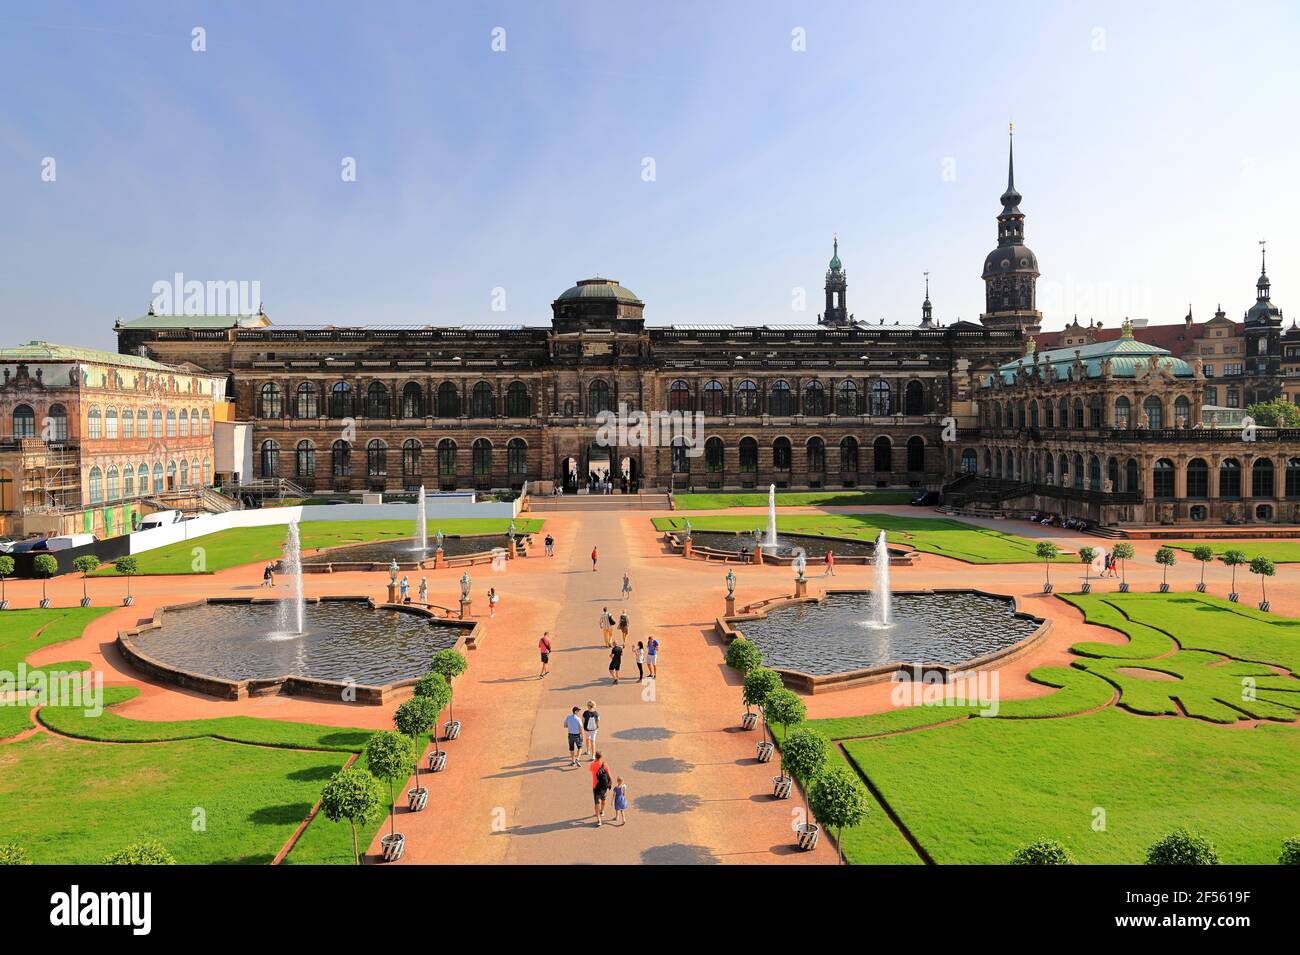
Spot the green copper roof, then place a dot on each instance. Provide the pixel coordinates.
(599, 288)
(46, 351)
(836, 265)
(197, 321)
(1126, 356)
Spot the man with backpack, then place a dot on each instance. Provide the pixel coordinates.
(607, 626)
(600, 786)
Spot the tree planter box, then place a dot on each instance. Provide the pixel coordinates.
(1047, 588)
(437, 762)
(749, 721)
(1164, 588)
(1123, 588)
(393, 846)
(1263, 605)
(417, 799)
(451, 729)
(1087, 589)
(808, 835)
(127, 601)
(45, 603)
(85, 601)
(765, 751)
(1232, 598)
(1200, 588)
(782, 786)
(4, 605)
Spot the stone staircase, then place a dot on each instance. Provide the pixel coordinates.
(599, 502)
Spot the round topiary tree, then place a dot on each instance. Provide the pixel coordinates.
(783, 708)
(1181, 847)
(839, 800)
(1042, 852)
(388, 756)
(85, 565)
(451, 664)
(1122, 552)
(415, 718)
(1166, 557)
(128, 567)
(759, 682)
(1086, 556)
(148, 852)
(11, 853)
(46, 566)
(1047, 552)
(743, 656)
(435, 688)
(803, 756)
(353, 795)
(6, 571)
(1204, 554)
(1290, 851)
(1234, 558)
(1264, 568)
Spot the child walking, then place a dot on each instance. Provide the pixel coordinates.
(620, 801)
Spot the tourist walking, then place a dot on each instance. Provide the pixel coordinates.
(590, 727)
(620, 801)
(606, 626)
(615, 661)
(573, 725)
(652, 658)
(830, 564)
(424, 590)
(627, 585)
(544, 647)
(600, 783)
(593, 560)
(640, 661)
(268, 576)
(493, 600)
(623, 626)
(405, 588)
(550, 546)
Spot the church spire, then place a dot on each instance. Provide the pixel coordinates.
(1262, 286)
(1011, 198)
(837, 284)
(927, 312)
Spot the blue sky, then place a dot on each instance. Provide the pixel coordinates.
(1154, 147)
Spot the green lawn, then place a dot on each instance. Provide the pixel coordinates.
(25, 631)
(931, 535)
(1278, 551)
(247, 545)
(707, 502)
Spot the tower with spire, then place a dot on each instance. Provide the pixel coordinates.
(1011, 269)
(927, 311)
(837, 284)
(1263, 333)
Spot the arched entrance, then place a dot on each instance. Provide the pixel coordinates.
(568, 476)
(599, 465)
(629, 475)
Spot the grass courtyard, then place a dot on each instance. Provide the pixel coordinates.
(1278, 551)
(931, 535)
(248, 545)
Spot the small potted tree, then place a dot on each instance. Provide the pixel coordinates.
(744, 657)
(354, 795)
(46, 566)
(435, 688)
(1166, 557)
(1181, 847)
(416, 718)
(11, 853)
(783, 708)
(85, 565)
(148, 852)
(1234, 559)
(1086, 556)
(839, 800)
(6, 571)
(759, 682)
(1290, 852)
(1264, 567)
(1122, 552)
(1042, 852)
(1204, 554)
(128, 567)
(803, 756)
(389, 757)
(1047, 552)
(451, 664)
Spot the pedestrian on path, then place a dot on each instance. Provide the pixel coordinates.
(615, 661)
(550, 546)
(544, 647)
(493, 599)
(622, 626)
(405, 588)
(573, 725)
(640, 661)
(600, 783)
(593, 560)
(652, 658)
(268, 576)
(830, 563)
(424, 590)
(607, 626)
(627, 585)
(620, 802)
(590, 727)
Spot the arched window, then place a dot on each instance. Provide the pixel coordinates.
(846, 397)
(1182, 412)
(341, 459)
(412, 401)
(94, 424)
(376, 458)
(1063, 413)
(880, 397)
(110, 423)
(1094, 472)
(25, 421)
(1113, 475)
(96, 486)
(113, 488)
(914, 398)
(1076, 470)
(128, 482)
(517, 457)
(270, 459)
(185, 473)
(748, 455)
(1078, 414)
(194, 422)
(969, 461)
(304, 462)
(713, 455)
(679, 396)
(1230, 478)
(206, 419)
(1198, 479)
(747, 399)
(1048, 416)
(306, 403)
(814, 399)
(481, 404)
(58, 423)
(482, 453)
(916, 453)
(816, 455)
(780, 404)
(269, 406)
(158, 485)
(517, 403)
(341, 400)
(446, 458)
(1132, 476)
(411, 449)
(377, 400)
(883, 453)
(1293, 477)
(678, 462)
(448, 401)
(171, 475)
(1154, 412)
(156, 423)
(781, 454)
(1261, 478)
(1162, 480)
(207, 472)
(1033, 414)
(171, 422)
(142, 478)
(1095, 412)
(1123, 412)
(598, 398)
(184, 421)
(715, 398)
(849, 455)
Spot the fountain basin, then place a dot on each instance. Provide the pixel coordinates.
(351, 650)
(725, 545)
(819, 644)
(379, 555)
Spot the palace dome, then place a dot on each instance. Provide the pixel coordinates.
(596, 289)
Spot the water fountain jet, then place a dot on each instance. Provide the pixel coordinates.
(292, 609)
(421, 525)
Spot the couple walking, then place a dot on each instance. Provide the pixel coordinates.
(582, 727)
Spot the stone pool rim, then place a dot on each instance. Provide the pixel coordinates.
(287, 684)
(900, 555)
(726, 628)
(314, 564)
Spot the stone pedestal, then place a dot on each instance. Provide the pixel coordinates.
(687, 549)
(512, 549)
(465, 608)
(731, 606)
(758, 555)
(439, 559)
(801, 588)
(392, 593)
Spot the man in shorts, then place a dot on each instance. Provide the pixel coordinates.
(652, 658)
(590, 727)
(600, 785)
(574, 727)
(544, 648)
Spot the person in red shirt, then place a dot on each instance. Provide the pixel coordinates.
(600, 785)
(830, 563)
(593, 560)
(544, 647)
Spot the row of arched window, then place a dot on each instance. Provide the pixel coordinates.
(1077, 413)
(411, 458)
(814, 455)
(378, 401)
(783, 401)
(108, 424)
(106, 485)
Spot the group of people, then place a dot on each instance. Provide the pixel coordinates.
(582, 727)
(646, 655)
(1110, 565)
(404, 589)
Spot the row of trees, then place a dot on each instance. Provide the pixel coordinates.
(46, 566)
(1166, 557)
(1179, 847)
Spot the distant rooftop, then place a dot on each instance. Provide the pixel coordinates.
(47, 351)
(1125, 355)
(197, 321)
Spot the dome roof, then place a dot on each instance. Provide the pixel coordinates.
(1010, 258)
(598, 288)
(1126, 357)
